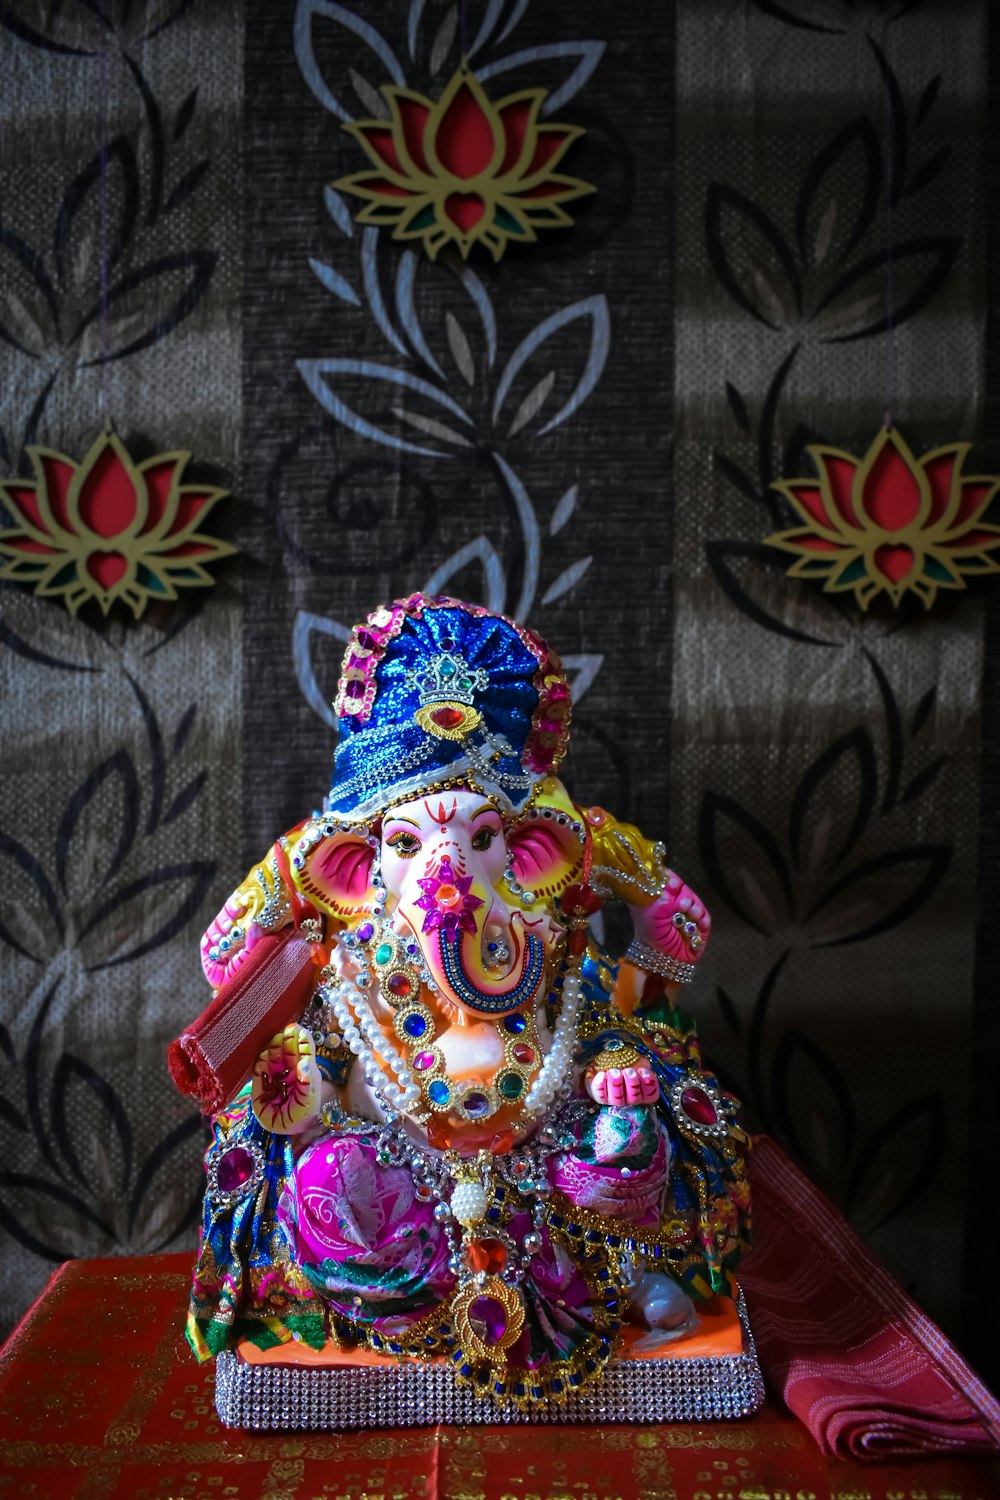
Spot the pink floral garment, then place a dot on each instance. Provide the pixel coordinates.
(375, 1253)
(620, 1167)
(559, 1313)
(360, 1233)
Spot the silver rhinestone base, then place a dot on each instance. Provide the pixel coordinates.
(413, 1394)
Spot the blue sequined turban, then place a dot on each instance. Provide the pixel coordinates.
(433, 690)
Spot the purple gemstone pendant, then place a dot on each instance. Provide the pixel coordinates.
(488, 1318)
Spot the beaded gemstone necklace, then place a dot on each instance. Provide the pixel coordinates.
(401, 974)
(488, 1308)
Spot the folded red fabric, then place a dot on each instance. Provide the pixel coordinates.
(214, 1057)
(854, 1358)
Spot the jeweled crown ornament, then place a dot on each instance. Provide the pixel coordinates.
(447, 676)
(446, 687)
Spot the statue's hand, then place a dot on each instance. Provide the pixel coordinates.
(676, 923)
(259, 905)
(623, 1085)
(285, 1090)
(228, 941)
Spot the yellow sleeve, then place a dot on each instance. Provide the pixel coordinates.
(626, 864)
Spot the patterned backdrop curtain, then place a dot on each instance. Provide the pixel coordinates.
(585, 435)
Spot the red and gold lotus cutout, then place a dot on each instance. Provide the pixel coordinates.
(108, 528)
(464, 171)
(890, 523)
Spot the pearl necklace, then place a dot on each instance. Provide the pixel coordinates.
(366, 1040)
(364, 1037)
(486, 1260)
(553, 1073)
(402, 975)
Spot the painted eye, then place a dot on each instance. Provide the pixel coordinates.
(483, 837)
(406, 845)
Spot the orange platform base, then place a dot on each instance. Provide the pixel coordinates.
(720, 1335)
(709, 1374)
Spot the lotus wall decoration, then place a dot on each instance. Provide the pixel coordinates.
(889, 523)
(108, 528)
(461, 170)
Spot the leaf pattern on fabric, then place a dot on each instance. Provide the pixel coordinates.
(109, 838)
(102, 894)
(105, 290)
(84, 1196)
(831, 811)
(845, 258)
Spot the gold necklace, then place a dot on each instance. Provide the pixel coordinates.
(402, 976)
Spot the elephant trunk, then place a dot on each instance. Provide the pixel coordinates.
(479, 990)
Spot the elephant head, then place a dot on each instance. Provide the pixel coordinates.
(474, 887)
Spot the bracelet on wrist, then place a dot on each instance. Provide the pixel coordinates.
(671, 969)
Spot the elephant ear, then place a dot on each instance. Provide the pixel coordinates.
(547, 854)
(335, 874)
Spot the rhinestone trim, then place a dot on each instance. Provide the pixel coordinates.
(668, 968)
(417, 1394)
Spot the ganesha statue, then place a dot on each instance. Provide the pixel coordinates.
(448, 1124)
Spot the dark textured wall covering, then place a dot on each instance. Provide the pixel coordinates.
(583, 435)
(120, 738)
(829, 758)
(344, 520)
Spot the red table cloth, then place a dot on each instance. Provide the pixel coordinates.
(100, 1397)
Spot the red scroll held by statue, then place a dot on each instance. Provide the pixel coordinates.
(213, 1058)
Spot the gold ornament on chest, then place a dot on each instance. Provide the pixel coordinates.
(405, 987)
